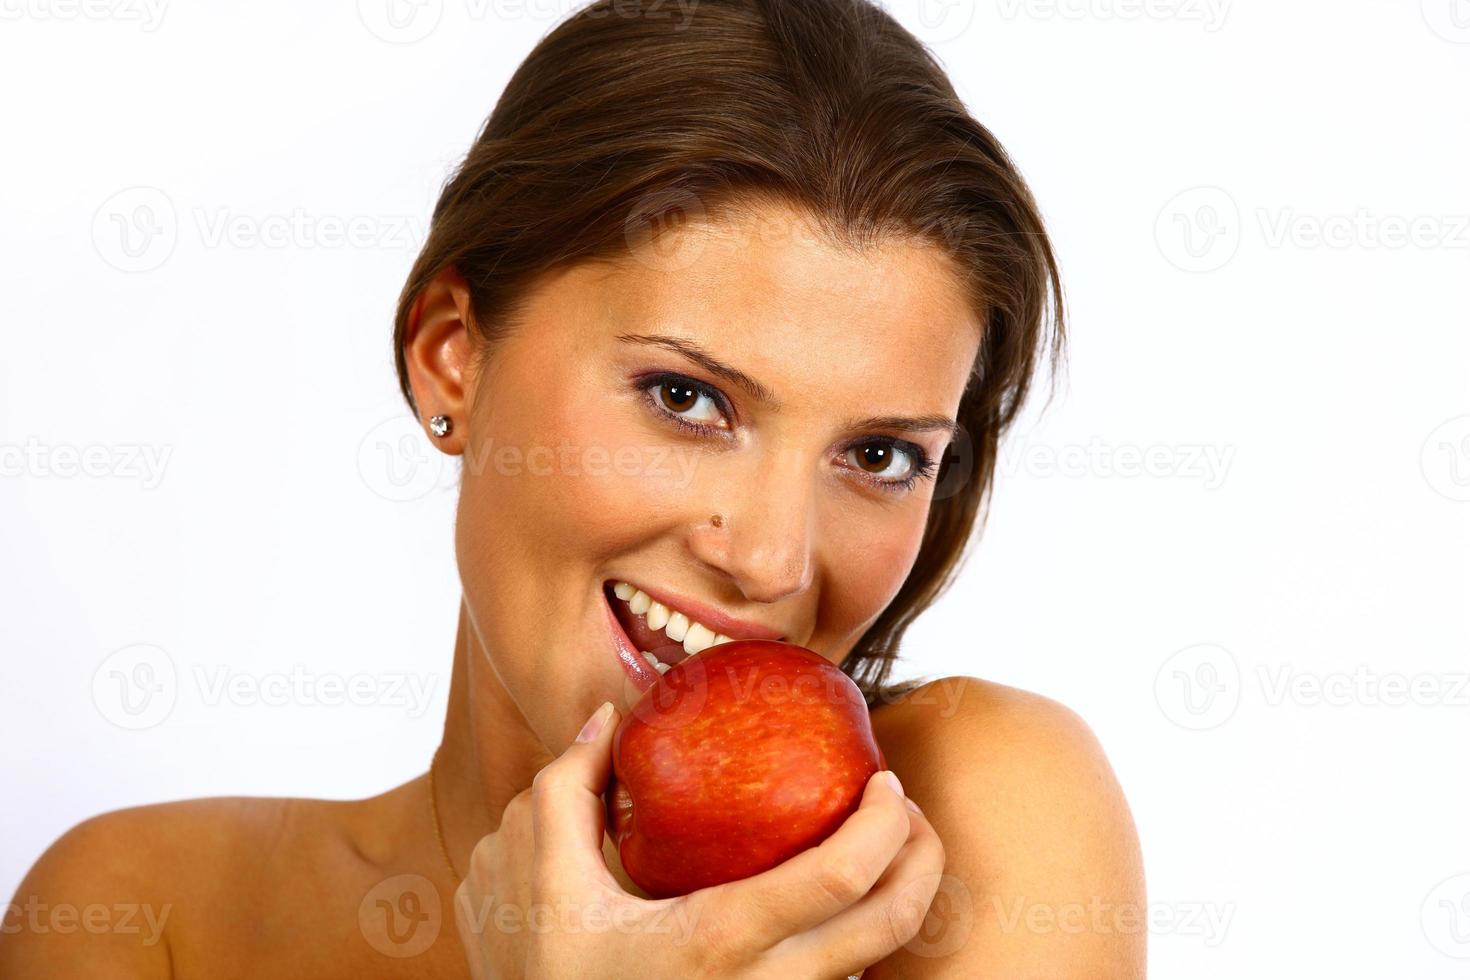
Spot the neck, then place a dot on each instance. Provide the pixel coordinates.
(487, 754)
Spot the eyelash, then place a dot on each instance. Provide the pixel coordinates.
(923, 467)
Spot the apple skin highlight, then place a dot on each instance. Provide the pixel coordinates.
(737, 759)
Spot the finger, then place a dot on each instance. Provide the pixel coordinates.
(820, 882)
(566, 801)
(883, 920)
(471, 930)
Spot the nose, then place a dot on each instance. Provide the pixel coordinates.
(764, 544)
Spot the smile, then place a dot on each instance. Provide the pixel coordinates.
(666, 629)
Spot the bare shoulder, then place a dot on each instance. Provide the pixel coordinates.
(108, 897)
(1044, 875)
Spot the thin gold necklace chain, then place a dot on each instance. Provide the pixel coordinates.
(438, 828)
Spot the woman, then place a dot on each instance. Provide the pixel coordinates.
(725, 317)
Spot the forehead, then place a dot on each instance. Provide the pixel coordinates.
(765, 290)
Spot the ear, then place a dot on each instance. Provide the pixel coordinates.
(437, 347)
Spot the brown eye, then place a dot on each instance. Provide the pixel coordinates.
(687, 402)
(678, 397)
(889, 462)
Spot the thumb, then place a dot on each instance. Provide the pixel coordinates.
(567, 797)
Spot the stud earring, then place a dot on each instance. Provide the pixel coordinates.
(441, 425)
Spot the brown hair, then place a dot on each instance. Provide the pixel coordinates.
(620, 117)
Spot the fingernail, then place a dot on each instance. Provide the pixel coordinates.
(893, 782)
(912, 806)
(594, 724)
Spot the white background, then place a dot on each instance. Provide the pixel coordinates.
(1267, 627)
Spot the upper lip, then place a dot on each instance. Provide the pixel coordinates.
(719, 622)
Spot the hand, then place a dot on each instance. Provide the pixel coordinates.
(539, 902)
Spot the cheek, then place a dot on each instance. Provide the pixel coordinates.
(566, 482)
(869, 558)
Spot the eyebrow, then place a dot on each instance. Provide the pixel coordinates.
(758, 391)
(903, 423)
(706, 360)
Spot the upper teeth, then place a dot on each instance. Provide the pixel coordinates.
(676, 626)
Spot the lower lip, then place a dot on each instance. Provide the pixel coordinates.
(634, 666)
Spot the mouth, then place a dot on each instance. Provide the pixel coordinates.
(664, 630)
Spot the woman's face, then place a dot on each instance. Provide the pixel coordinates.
(596, 453)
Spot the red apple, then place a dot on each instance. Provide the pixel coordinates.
(738, 758)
